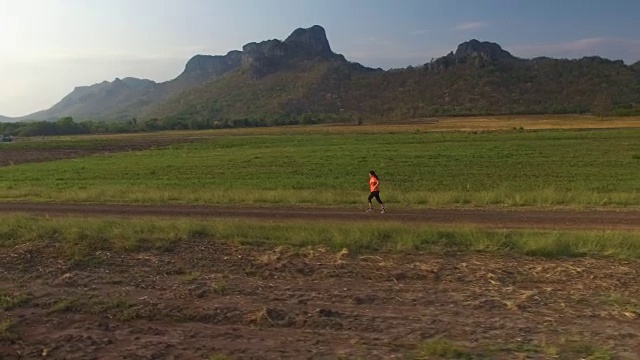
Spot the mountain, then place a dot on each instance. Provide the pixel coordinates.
(283, 81)
(132, 97)
(478, 78)
(472, 52)
(5, 118)
(294, 77)
(128, 97)
(481, 78)
(99, 100)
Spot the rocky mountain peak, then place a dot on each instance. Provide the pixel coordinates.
(208, 64)
(474, 52)
(302, 43)
(311, 41)
(270, 48)
(270, 56)
(484, 49)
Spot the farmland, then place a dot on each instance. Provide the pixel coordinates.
(506, 238)
(419, 168)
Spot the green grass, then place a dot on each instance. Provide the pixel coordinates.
(538, 168)
(7, 328)
(441, 349)
(563, 349)
(581, 349)
(624, 306)
(219, 287)
(82, 239)
(219, 357)
(115, 307)
(190, 277)
(569, 349)
(12, 301)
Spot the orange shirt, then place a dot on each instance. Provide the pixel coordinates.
(373, 184)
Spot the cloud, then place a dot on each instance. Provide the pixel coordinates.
(475, 25)
(618, 48)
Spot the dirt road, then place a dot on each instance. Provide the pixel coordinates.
(520, 218)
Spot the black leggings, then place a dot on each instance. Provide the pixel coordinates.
(375, 194)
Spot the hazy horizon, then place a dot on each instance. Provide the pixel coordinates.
(48, 47)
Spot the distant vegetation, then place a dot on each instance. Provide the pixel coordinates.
(540, 86)
(67, 126)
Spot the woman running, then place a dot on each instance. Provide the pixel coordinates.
(374, 186)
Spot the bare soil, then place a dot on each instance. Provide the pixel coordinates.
(52, 151)
(212, 300)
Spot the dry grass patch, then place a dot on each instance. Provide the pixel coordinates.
(270, 317)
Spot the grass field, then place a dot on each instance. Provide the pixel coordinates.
(81, 239)
(572, 168)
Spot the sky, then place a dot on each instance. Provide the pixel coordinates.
(48, 47)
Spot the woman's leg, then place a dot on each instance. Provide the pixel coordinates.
(371, 196)
(377, 195)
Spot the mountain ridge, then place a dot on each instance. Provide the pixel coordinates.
(302, 75)
(479, 78)
(92, 102)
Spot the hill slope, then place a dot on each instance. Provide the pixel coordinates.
(128, 97)
(98, 100)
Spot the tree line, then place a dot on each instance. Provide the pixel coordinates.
(67, 125)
